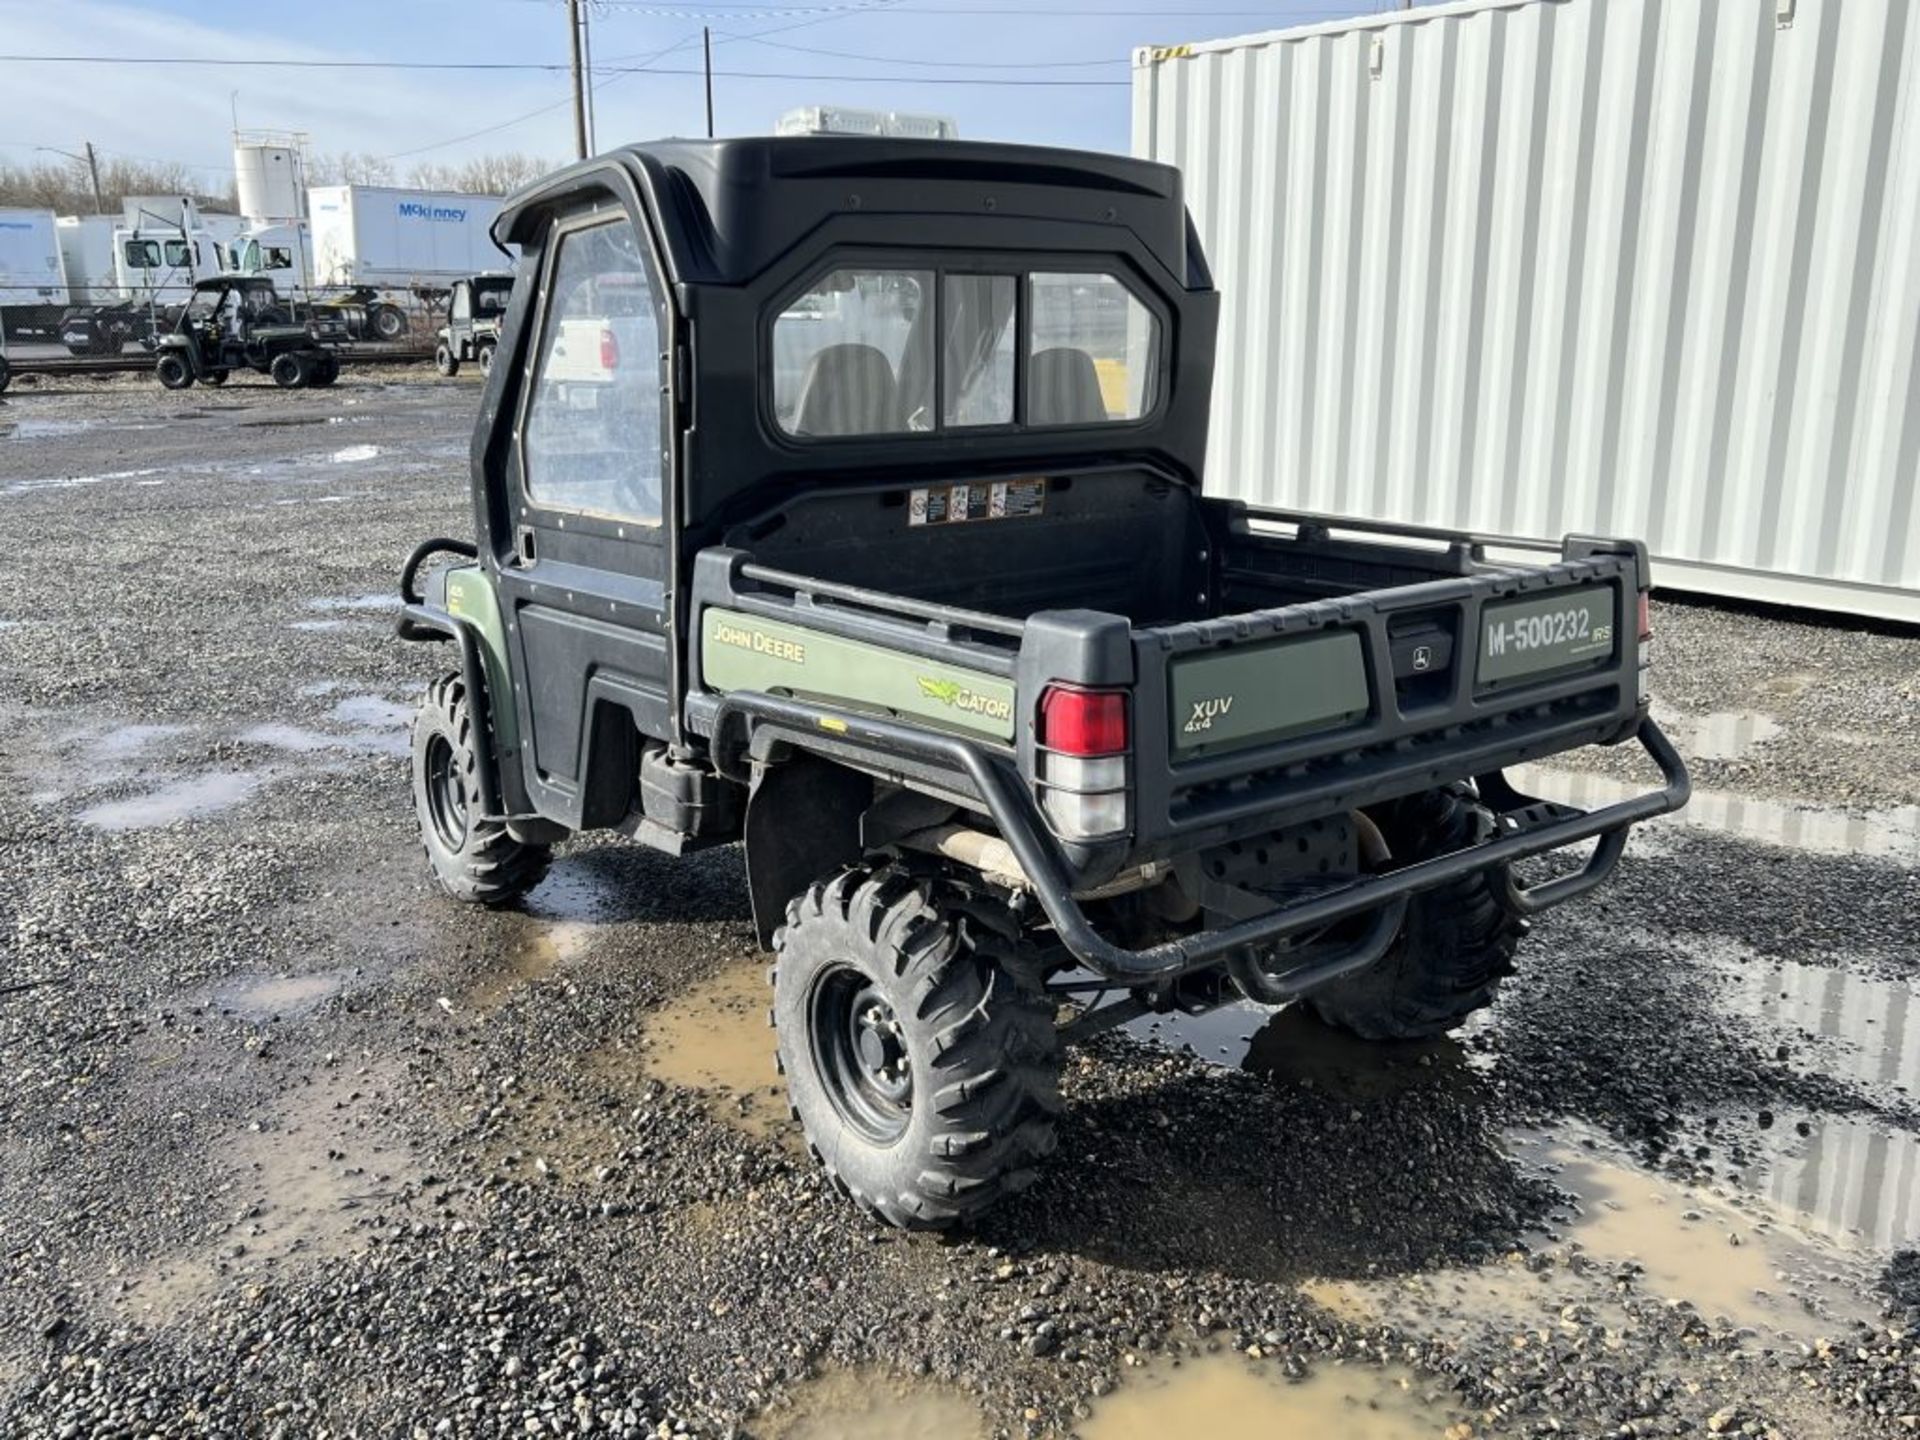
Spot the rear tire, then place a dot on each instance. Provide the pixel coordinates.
(474, 860)
(1458, 941)
(6, 374)
(925, 1075)
(324, 372)
(443, 360)
(173, 370)
(289, 371)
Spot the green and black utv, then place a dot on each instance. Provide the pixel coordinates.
(472, 332)
(843, 497)
(239, 323)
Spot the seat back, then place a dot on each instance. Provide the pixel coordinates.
(847, 390)
(1064, 388)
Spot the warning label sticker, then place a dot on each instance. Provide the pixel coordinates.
(984, 500)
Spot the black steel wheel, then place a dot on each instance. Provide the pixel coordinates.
(174, 371)
(474, 859)
(289, 371)
(923, 1070)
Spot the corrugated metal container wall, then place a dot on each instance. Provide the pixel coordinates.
(1642, 267)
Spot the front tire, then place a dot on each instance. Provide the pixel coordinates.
(443, 360)
(173, 370)
(484, 356)
(474, 860)
(1458, 941)
(925, 1075)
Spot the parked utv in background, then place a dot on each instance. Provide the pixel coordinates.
(843, 496)
(472, 331)
(236, 322)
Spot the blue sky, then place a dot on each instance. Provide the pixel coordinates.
(182, 113)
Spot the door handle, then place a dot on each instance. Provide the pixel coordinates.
(523, 546)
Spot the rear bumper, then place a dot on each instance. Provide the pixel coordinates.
(1534, 831)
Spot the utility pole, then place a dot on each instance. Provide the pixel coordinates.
(93, 173)
(579, 89)
(586, 46)
(706, 44)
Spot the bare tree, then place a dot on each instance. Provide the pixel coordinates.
(344, 167)
(65, 187)
(482, 175)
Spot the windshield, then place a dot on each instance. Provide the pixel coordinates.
(204, 304)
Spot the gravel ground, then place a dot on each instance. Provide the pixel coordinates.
(289, 1145)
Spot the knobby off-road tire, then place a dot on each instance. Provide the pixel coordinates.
(1458, 941)
(289, 371)
(925, 1076)
(443, 360)
(174, 372)
(474, 860)
(484, 356)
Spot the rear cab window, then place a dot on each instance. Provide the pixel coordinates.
(860, 351)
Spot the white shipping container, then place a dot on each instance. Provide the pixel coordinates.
(382, 237)
(31, 271)
(1639, 267)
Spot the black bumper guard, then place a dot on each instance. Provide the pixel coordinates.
(1018, 816)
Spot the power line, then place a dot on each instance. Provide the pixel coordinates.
(932, 64)
(611, 70)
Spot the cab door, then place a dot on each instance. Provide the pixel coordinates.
(583, 580)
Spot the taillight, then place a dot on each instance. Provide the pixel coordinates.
(609, 349)
(1081, 763)
(1646, 615)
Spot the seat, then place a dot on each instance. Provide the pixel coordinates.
(847, 390)
(1063, 388)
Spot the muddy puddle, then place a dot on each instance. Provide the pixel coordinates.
(1294, 1047)
(303, 1183)
(277, 997)
(1853, 1178)
(1892, 832)
(871, 1405)
(560, 917)
(374, 600)
(714, 1038)
(1726, 1251)
(190, 799)
(1228, 1397)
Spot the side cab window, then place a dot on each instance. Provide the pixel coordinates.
(591, 437)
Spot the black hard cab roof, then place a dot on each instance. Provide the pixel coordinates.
(740, 229)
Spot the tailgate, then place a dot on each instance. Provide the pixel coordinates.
(1282, 713)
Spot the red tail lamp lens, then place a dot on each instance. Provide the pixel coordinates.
(1083, 722)
(609, 349)
(1646, 616)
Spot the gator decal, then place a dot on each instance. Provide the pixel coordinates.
(744, 652)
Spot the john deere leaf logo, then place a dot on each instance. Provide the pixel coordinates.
(947, 692)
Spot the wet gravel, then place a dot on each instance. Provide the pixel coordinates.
(289, 1145)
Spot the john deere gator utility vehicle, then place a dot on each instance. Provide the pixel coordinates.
(843, 497)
